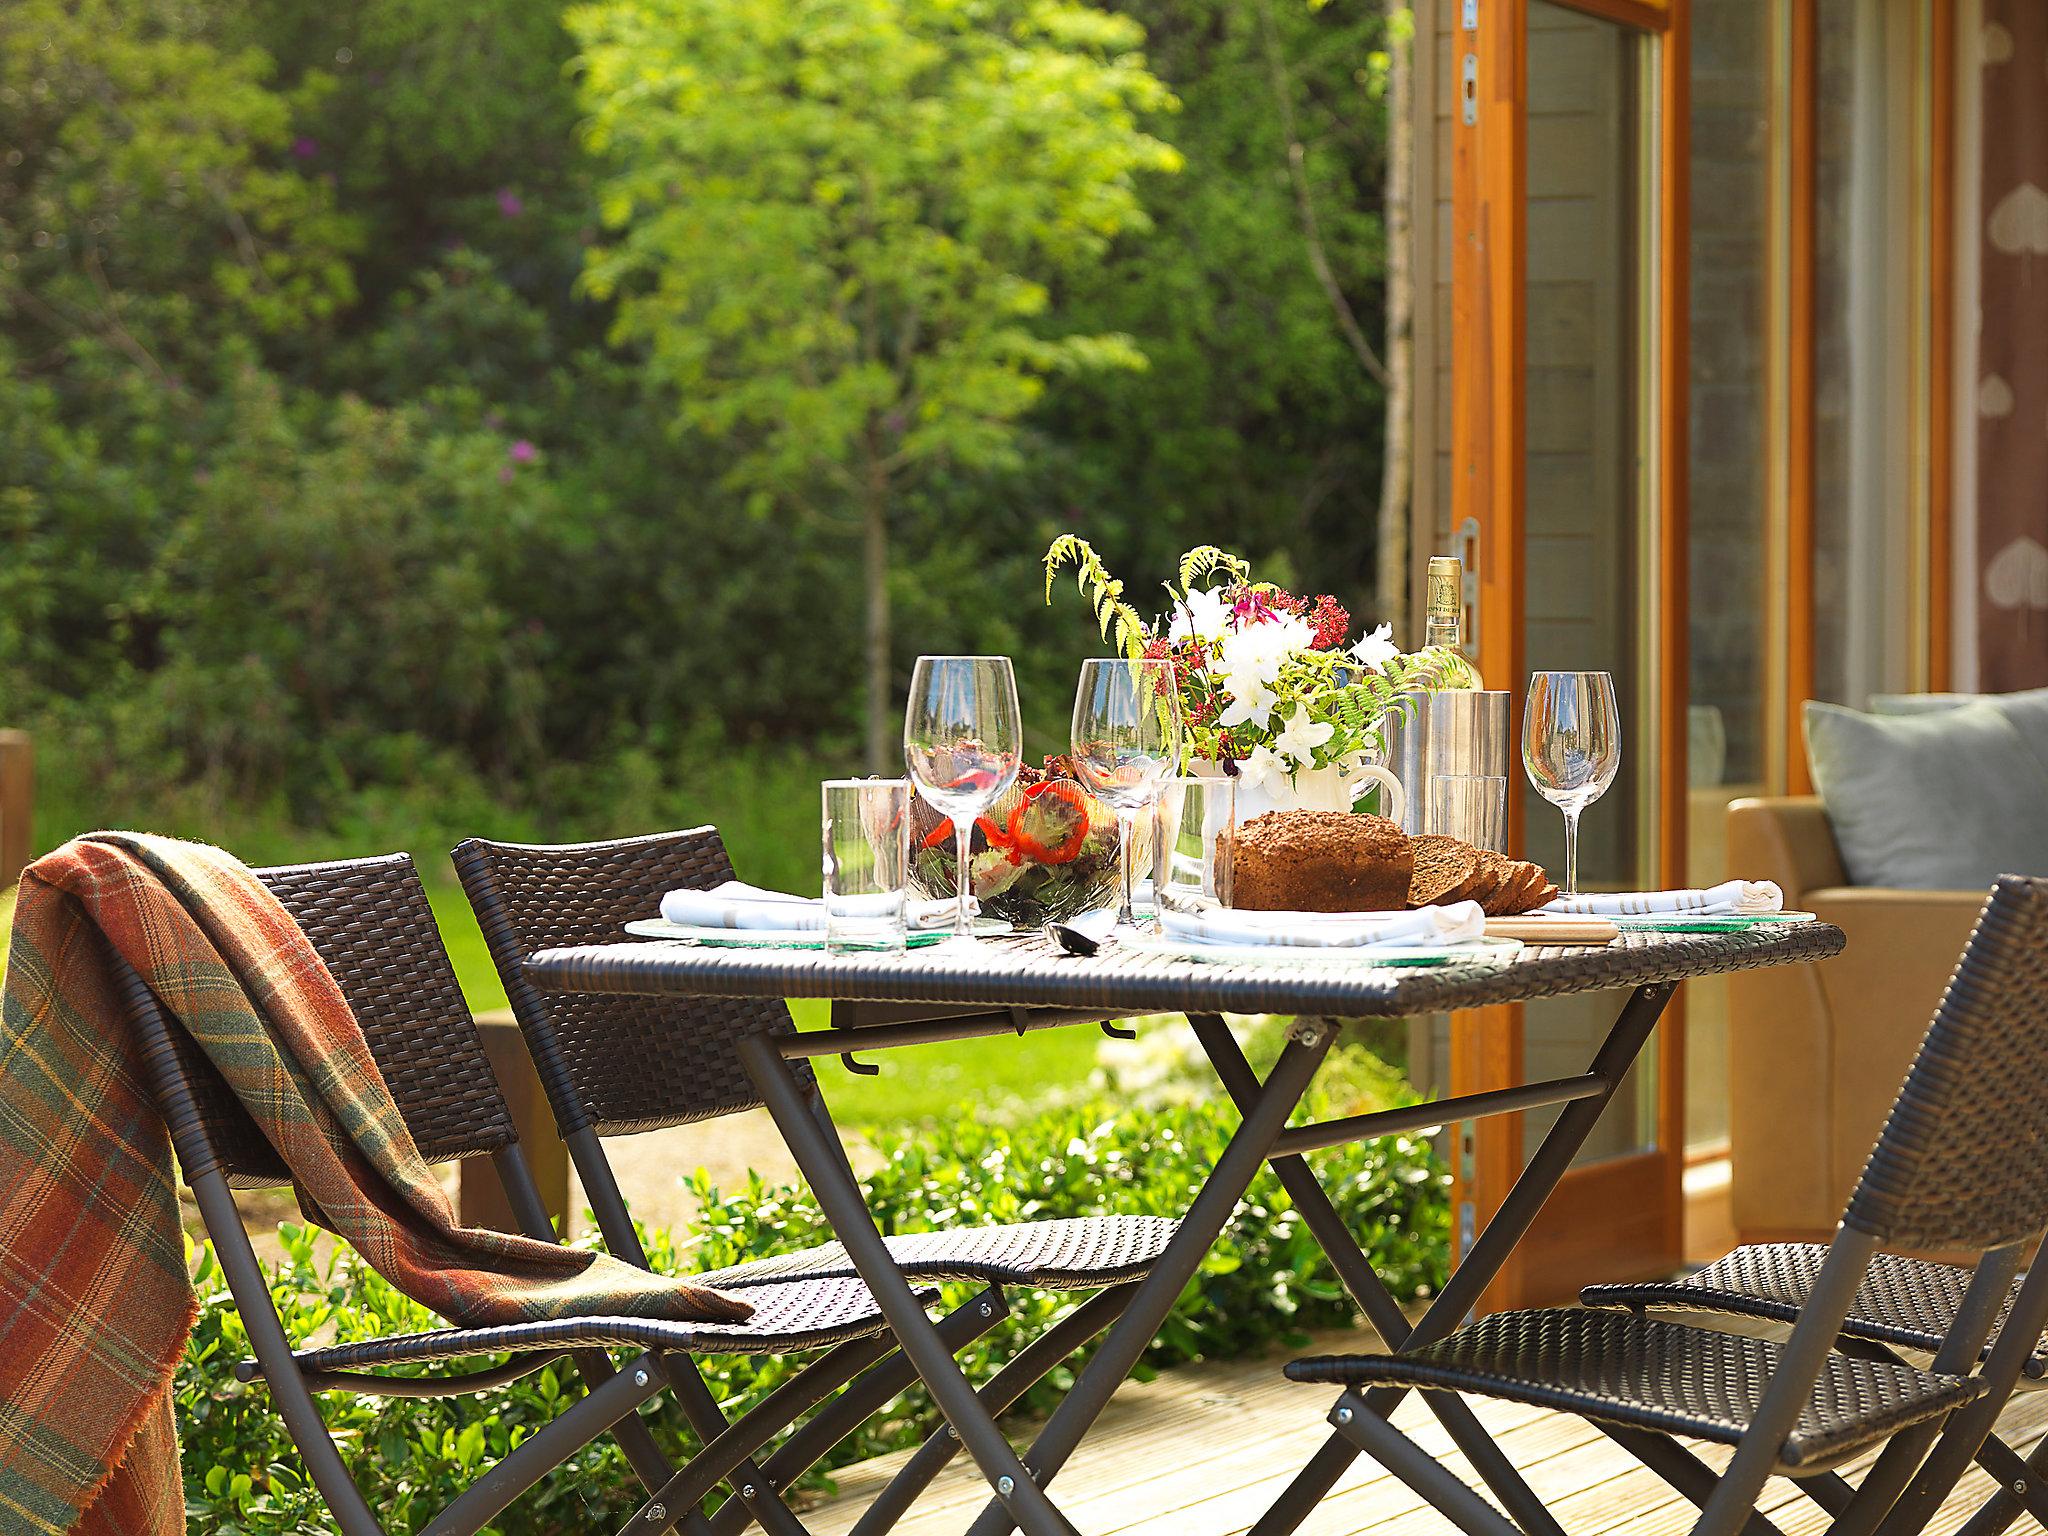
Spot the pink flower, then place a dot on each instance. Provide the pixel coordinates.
(504, 474)
(305, 148)
(522, 452)
(509, 203)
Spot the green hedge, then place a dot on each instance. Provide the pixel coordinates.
(1266, 1282)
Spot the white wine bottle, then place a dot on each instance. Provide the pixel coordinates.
(1444, 621)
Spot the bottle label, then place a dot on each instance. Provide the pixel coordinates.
(1444, 615)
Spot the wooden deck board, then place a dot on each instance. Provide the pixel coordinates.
(1204, 1451)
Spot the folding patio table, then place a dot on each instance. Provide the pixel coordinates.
(1016, 985)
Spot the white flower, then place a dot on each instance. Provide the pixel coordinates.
(1262, 767)
(1251, 701)
(1203, 616)
(1301, 736)
(1377, 648)
(1262, 649)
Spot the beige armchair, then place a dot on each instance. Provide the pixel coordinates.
(1817, 1052)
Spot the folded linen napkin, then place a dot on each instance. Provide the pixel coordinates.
(1731, 898)
(736, 904)
(1453, 924)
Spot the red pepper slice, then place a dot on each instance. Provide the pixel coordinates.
(1068, 848)
(939, 836)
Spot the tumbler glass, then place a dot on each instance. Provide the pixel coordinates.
(1191, 864)
(866, 864)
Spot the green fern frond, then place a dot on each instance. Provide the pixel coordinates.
(1205, 559)
(1116, 618)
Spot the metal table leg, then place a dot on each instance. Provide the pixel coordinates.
(824, 1166)
(1355, 1269)
(1125, 1343)
(1552, 1159)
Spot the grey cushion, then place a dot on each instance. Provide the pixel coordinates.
(1943, 798)
(2028, 710)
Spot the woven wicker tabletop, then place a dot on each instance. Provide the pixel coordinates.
(1027, 972)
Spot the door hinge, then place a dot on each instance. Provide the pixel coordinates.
(1468, 90)
(1468, 18)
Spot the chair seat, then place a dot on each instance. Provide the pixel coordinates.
(1905, 1303)
(802, 1314)
(1645, 1374)
(1078, 1254)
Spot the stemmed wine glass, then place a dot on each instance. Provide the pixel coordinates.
(963, 742)
(1571, 747)
(1126, 743)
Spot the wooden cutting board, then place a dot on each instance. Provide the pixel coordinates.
(1553, 930)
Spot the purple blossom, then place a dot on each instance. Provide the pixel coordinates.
(509, 203)
(1250, 608)
(522, 452)
(305, 148)
(504, 474)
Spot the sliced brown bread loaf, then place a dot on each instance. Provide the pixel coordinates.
(1442, 864)
(1321, 861)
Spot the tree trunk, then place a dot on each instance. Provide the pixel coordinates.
(1396, 473)
(884, 747)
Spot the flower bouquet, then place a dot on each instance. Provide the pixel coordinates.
(1272, 686)
(1046, 851)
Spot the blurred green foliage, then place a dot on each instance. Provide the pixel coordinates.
(338, 508)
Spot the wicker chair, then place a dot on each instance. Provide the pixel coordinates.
(1962, 1166)
(370, 921)
(617, 1064)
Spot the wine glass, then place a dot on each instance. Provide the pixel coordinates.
(1571, 747)
(1126, 745)
(963, 743)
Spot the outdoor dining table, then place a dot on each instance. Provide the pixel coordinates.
(1020, 984)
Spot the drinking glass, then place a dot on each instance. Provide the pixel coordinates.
(867, 863)
(1191, 861)
(1571, 747)
(1126, 743)
(1472, 807)
(963, 743)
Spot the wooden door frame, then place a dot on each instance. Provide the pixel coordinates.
(1489, 267)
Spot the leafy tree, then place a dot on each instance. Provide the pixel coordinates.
(148, 204)
(837, 223)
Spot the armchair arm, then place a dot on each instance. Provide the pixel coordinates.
(1786, 839)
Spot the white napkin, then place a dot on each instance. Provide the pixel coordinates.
(1731, 898)
(1454, 924)
(735, 904)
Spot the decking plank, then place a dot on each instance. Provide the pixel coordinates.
(1204, 1451)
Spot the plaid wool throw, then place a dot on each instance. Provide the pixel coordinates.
(95, 1303)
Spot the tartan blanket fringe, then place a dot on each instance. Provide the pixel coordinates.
(95, 1299)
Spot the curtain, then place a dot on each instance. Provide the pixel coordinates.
(2012, 379)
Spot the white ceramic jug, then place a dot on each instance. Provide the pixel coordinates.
(1315, 789)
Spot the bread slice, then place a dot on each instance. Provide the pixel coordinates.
(1496, 901)
(1523, 896)
(1480, 877)
(1544, 897)
(1529, 894)
(1441, 865)
(1521, 876)
(1491, 876)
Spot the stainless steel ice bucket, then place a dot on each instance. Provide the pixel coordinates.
(1450, 752)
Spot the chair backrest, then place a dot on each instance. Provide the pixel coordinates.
(615, 1064)
(1962, 1162)
(371, 923)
